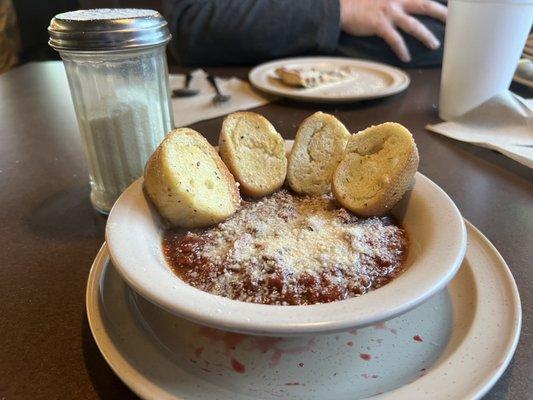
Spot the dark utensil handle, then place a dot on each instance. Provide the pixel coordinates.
(213, 82)
(188, 79)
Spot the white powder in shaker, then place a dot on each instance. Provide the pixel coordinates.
(120, 136)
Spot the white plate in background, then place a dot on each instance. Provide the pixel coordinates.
(372, 80)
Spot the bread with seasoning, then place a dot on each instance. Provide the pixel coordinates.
(254, 152)
(313, 77)
(378, 166)
(318, 148)
(188, 183)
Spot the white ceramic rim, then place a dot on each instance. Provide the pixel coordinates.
(257, 78)
(146, 389)
(395, 298)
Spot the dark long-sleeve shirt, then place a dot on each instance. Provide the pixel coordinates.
(218, 32)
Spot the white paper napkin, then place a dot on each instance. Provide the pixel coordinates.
(503, 123)
(188, 110)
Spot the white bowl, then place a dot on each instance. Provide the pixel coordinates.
(437, 246)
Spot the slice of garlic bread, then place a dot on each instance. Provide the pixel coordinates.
(188, 182)
(254, 152)
(378, 166)
(318, 148)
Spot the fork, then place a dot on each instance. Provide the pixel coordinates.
(219, 97)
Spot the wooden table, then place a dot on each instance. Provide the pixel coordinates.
(50, 233)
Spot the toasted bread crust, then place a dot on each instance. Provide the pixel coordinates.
(386, 167)
(318, 148)
(290, 77)
(254, 152)
(178, 190)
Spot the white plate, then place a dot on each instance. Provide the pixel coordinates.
(454, 346)
(437, 243)
(373, 80)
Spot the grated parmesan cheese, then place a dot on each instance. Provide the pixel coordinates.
(294, 240)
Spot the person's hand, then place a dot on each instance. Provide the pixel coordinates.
(382, 17)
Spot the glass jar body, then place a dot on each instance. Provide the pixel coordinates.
(123, 108)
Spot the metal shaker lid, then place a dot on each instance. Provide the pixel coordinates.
(106, 29)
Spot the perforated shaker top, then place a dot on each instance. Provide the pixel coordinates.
(107, 29)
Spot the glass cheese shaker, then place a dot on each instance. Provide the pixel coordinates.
(117, 71)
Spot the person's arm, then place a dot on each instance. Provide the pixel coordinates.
(210, 32)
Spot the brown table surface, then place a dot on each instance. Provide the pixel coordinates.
(50, 233)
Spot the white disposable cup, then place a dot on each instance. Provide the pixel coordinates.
(483, 43)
